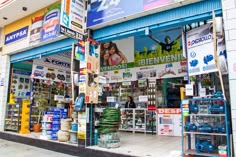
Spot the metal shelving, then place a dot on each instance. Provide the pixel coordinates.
(136, 120)
(205, 131)
(13, 117)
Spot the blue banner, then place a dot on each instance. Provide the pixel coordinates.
(16, 35)
(22, 72)
(102, 11)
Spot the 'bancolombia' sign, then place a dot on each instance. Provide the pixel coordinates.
(16, 35)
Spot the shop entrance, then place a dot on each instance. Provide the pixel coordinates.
(144, 76)
(40, 99)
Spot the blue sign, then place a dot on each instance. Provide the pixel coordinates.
(16, 35)
(22, 72)
(51, 25)
(102, 11)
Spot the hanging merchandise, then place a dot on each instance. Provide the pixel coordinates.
(92, 71)
(80, 51)
(79, 104)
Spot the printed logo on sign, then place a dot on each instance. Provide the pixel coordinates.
(169, 111)
(199, 40)
(16, 35)
(193, 54)
(52, 61)
(65, 19)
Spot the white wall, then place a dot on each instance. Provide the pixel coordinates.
(229, 15)
(4, 74)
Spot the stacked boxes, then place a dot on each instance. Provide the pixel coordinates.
(58, 114)
(47, 126)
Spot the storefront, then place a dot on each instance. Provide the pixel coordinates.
(146, 58)
(142, 55)
(40, 91)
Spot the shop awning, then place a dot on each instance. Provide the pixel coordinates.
(60, 46)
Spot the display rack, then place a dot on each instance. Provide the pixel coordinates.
(206, 129)
(137, 120)
(13, 117)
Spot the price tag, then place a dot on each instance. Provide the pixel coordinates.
(202, 92)
(143, 98)
(111, 99)
(189, 90)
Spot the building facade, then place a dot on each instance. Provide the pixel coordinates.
(179, 15)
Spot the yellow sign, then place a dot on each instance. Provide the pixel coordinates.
(41, 26)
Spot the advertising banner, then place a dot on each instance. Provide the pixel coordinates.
(117, 55)
(200, 49)
(164, 47)
(159, 57)
(103, 11)
(72, 18)
(41, 26)
(55, 68)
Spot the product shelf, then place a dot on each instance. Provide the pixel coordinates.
(194, 152)
(202, 133)
(194, 142)
(212, 115)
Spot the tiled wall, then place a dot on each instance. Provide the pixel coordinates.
(4, 74)
(229, 15)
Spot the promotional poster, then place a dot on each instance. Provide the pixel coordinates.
(159, 57)
(117, 55)
(200, 50)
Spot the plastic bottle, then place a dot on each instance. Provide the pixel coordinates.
(95, 137)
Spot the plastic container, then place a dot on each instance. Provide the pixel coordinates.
(222, 150)
(96, 137)
(56, 127)
(74, 127)
(65, 124)
(56, 122)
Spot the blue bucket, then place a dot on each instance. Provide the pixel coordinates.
(74, 127)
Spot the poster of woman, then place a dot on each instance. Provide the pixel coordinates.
(117, 52)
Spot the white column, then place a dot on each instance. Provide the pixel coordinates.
(4, 75)
(229, 16)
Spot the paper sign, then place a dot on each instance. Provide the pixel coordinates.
(143, 98)
(111, 99)
(189, 90)
(202, 92)
(185, 111)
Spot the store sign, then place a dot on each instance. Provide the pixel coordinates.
(55, 62)
(41, 26)
(200, 49)
(104, 11)
(168, 111)
(72, 18)
(16, 35)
